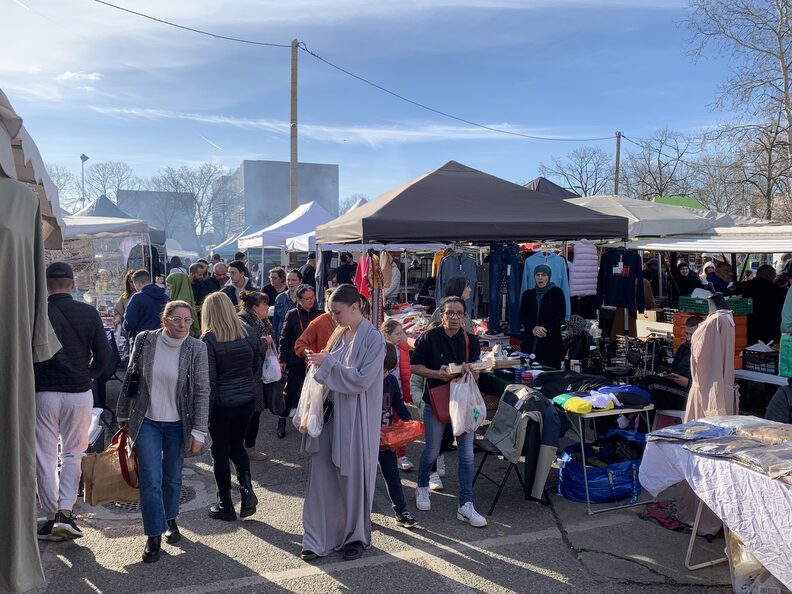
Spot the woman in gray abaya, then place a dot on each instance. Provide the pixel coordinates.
(337, 508)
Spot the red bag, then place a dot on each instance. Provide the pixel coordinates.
(440, 396)
(400, 434)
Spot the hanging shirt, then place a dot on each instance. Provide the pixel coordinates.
(559, 276)
(458, 265)
(437, 259)
(620, 280)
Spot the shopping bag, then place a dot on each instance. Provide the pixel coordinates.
(270, 369)
(439, 397)
(399, 434)
(275, 399)
(785, 357)
(466, 405)
(109, 475)
(309, 417)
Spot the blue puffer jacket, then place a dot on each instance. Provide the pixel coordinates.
(144, 309)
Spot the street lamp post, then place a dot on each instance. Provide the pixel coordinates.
(83, 158)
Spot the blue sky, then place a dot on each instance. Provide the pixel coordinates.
(90, 79)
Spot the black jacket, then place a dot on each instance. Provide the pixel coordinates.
(549, 350)
(232, 292)
(232, 368)
(294, 325)
(768, 301)
(780, 406)
(85, 354)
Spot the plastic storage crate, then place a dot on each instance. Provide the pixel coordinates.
(761, 362)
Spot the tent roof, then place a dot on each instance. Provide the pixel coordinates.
(230, 246)
(648, 219)
(687, 201)
(83, 227)
(307, 241)
(545, 186)
(765, 239)
(102, 207)
(302, 220)
(458, 203)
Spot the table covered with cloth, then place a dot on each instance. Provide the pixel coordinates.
(755, 507)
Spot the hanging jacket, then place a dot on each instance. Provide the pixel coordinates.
(458, 265)
(558, 274)
(583, 269)
(362, 282)
(621, 286)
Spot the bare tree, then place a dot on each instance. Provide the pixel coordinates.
(68, 187)
(586, 171)
(349, 202)
(757, 35)
(170, 210)
(718, 183)
(107, 177)
(659, 166)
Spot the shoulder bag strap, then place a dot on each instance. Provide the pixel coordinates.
(467, 346)
(139, 352)
(67, 325)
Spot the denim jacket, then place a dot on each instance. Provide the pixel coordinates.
(283, 304)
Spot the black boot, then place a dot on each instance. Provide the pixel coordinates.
(249, 499)
(152, 551)
(281, 432)
(172, 534)
(224, 508)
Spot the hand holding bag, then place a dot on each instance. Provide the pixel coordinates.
(310, 414)
(466, 405)
(270, 369)
(440, 395)
(131, 384)
(110, 475)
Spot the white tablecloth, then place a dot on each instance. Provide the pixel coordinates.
(756, 508)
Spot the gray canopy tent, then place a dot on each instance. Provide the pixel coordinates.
(545, 186)
(458, 203)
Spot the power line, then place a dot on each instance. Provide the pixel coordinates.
(362, 79)
(199, 31)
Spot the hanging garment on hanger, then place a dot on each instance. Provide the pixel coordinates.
(504, 265)
(362, 273)
(386, 267)
(437, 260)
(558, 269)
(583, 269)
(458, 265)
(620, 280)
(28, 338)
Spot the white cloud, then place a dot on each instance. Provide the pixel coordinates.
(78, 76)
(401, 133)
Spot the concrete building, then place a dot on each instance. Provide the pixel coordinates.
(263, 188)
(173, 212)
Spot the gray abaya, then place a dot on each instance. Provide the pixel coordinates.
(337, 508)
(27, 338)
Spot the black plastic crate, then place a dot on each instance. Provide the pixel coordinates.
(761, 362)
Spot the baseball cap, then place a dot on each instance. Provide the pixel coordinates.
(60, 270)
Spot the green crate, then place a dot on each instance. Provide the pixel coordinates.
(691, 305)
(741, 305)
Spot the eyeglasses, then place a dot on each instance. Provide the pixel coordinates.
(454, 314)
(177, 320)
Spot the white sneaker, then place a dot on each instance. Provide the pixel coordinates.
(435, 484)
(422, 501)
(405, 464)
(441, 465)
(467, 513)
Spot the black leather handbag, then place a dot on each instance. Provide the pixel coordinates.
(131, 384)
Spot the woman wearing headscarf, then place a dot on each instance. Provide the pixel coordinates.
(180, 289)
(684, 282)
(542, 313)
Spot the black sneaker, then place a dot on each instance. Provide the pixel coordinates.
(45, 532)
(406, 520)
(66, 528)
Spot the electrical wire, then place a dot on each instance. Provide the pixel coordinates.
(362, 79)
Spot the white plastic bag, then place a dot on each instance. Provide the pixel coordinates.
(270, 369)
(309, 417)
(466, 406)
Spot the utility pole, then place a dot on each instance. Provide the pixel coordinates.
(618, 163)
(83, 158)
(293, 137)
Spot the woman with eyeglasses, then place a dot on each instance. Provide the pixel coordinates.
(167, 419)
(287, 300)
(234, 354)
(294, 366)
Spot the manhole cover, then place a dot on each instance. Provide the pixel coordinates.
(133, 507)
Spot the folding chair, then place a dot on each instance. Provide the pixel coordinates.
(490, 450)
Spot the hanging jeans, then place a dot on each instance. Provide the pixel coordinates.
(503, 262)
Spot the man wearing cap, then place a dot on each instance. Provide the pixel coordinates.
(64, 401)
(308, 270)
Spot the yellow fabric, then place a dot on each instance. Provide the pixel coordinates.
(438, 259)
(578, 406)
(386, 266)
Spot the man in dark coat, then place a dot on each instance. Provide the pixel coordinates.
(144, 309)
(768, 300)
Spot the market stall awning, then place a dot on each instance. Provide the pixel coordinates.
(303, 220)
(730, 240)
(307, 241)
(458, 203)
(545, 186)
(81, 227)
(648, 219)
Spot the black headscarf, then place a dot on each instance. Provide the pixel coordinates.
(686, 284)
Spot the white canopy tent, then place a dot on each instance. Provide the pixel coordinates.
(765, 239)
(648, 219)
(303, 220)
(230, 246)
(307, 241)
(84, 227)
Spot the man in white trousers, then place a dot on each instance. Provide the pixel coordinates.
(64, 401)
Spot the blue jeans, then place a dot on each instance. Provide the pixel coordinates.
(160, 460)
(504, 262)
(433, 436)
